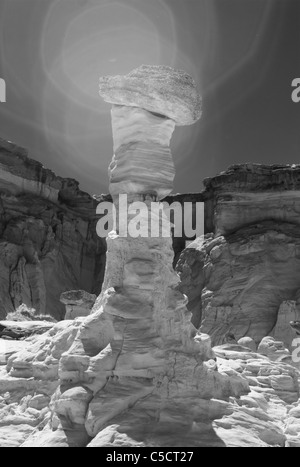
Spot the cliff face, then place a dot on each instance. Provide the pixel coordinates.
(251, 193)
(238, 278)
(48, 240)
(242, 282)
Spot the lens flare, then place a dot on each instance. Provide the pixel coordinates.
(78, 45)
(52, 65)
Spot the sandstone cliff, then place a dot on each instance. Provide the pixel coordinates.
(250, 193)
(48, 240)
(239, 277)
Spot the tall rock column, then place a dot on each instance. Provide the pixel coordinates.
(138, 354)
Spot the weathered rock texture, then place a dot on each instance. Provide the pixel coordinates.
(238, 282)
(148, 103)
(142, 162)
(295, 326)
(251, 193)
(265, 412)
(137, 357)
(48, 240)
(237, 278)
(157, 89)
(283, 331)
(78, 303)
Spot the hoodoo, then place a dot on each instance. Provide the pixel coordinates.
(136, 372)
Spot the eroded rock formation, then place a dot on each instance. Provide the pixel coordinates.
(238, 277)
(138, 355)
(48, 240)
(77, 303)
(247, 194)
(266, 415)
(238, 282)
(136, 372)
(136, 367)
(152, 88)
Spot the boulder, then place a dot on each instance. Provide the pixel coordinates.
(158, 89)
(248, 342)
(78, 303)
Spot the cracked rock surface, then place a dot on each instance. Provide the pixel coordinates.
(48, 239)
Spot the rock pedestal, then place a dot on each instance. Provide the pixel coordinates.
(142, 162)
(136, 372)
(138, 352)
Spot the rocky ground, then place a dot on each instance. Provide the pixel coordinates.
(264, 412)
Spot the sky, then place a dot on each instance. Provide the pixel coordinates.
(242, 54)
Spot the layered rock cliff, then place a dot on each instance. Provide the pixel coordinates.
(241, 286)
(48, 240)
(251, 193)
(238, 278)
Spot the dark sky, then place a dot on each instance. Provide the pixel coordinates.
(243, 54)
